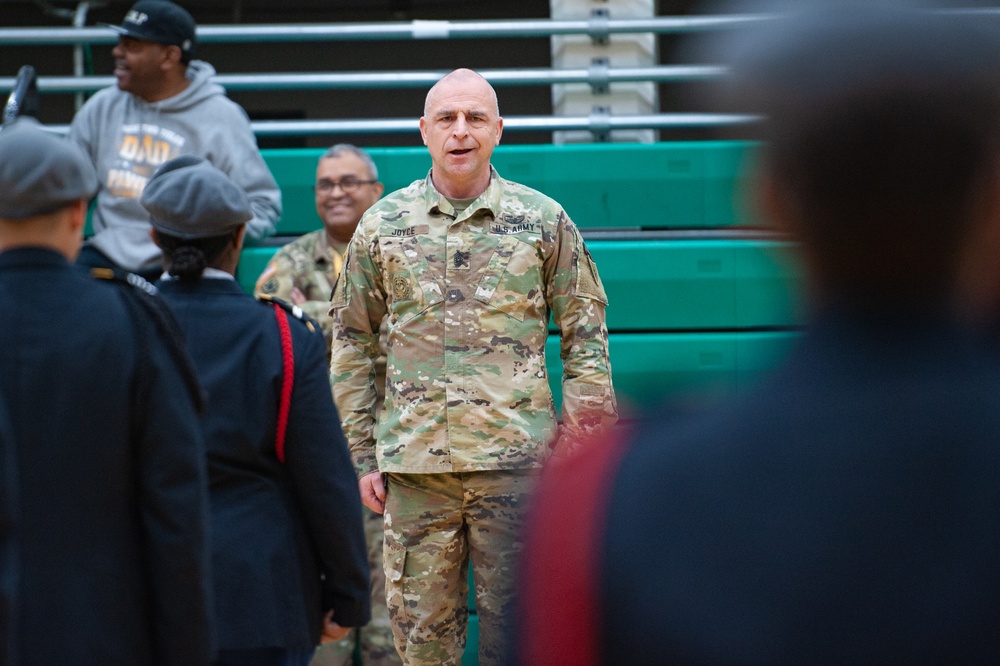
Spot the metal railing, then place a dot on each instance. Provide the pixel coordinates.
(599, 75)
(598, 27)
(595, 76)
(597, 123)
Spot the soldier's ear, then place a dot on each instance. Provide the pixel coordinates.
(154, 237)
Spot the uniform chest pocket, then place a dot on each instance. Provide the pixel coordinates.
(512, 281)
(409, 280)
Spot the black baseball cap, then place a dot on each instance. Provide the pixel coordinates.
(160, 21)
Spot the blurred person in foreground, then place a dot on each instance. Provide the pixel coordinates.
(109, 528)
(846, 511)
(468, 267)
(8, 553)
(289, 563)
(303, 273)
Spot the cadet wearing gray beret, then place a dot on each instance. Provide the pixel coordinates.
(189, 198)
(40, 173)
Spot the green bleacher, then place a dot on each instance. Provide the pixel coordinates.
(701, 301)
(602, 186)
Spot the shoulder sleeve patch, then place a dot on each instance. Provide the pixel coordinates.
(266, 283)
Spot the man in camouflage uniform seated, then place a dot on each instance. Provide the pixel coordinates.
(468, 267)
(303, 272)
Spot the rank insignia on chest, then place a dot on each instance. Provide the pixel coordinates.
(401, 288)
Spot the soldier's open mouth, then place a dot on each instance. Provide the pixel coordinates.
(461, 152)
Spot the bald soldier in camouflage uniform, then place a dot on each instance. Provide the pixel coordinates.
(303, 272)
(468, 267)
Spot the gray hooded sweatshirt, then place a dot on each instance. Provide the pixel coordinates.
(127, 138)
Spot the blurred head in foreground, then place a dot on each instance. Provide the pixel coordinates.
(842, 510)
(882, 137)
(46, 185)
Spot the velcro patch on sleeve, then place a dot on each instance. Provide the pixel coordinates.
(588, 282)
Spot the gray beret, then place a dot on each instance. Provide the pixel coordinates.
(189, 198)
(40, 173)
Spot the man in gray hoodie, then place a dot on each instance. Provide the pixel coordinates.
(164, 105)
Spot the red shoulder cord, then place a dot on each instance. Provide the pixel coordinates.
(288, 378)
(559, 589)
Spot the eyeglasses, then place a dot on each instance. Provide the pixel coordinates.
(349, 185)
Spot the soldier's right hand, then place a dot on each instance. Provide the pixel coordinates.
(372, 491)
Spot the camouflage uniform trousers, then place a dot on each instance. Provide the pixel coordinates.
(377, 648)
(435, 525)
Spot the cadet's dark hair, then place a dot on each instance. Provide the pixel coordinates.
(884, 127)
(189, 257)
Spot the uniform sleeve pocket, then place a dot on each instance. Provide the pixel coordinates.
(588, 282)
(339, 298)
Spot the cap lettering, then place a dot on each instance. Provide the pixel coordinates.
(136, 17)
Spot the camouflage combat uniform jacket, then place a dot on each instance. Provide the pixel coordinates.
(303, 272)
(468, 302)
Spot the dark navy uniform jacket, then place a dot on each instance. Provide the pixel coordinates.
(846, 512)
(110, 530)
(8, 544)
(287, 539)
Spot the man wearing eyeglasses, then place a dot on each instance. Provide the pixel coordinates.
(303, 272)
